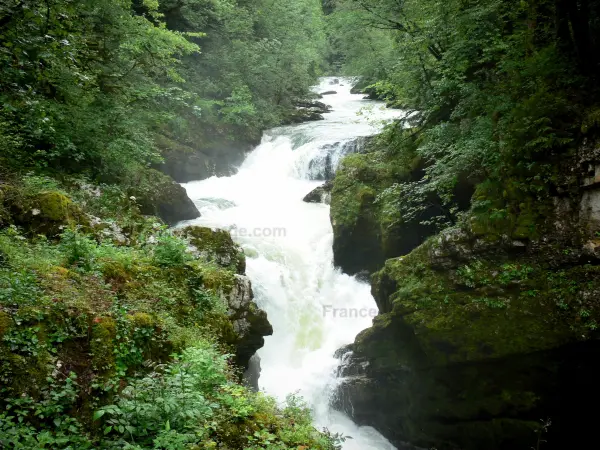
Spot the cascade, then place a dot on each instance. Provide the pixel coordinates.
(313, 307)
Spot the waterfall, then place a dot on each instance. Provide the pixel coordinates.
(313, 307)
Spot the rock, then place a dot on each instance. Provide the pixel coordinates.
(325, 164)
(250, 323)
(159, 195)
(322, 194)
(215, 246)
(252, 374)
(185, 163)
(306, 111)
(368, 224)
(361, 239)
(302, 115)
(328, 93)
(48, 213)
(476, 341)
(313, 104)
(334, 81)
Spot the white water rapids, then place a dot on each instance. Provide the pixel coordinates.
(288, 244)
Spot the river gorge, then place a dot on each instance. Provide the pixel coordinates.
(314, 308)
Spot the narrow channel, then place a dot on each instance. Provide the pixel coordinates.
(313, 307)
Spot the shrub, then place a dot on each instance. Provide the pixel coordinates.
(170, 251)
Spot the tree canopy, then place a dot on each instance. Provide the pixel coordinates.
(499, 89)
(89, 85)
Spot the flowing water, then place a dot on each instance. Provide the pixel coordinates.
(288, 244)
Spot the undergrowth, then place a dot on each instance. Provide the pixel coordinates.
(115, 334)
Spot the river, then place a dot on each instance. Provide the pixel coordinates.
(288, 244)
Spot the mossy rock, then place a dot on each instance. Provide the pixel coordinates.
(102, 345)
(470, 354)
(159, 195)
(367, 227)
(216, 246)
(48, 213)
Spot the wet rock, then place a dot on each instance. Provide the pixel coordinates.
(324, 165)
(159, 195)
(322, 194)
(313, 104)
(329, 93)
(250, 323)
(185, 163)
(301, 115)
(252, 374)
(307, 111)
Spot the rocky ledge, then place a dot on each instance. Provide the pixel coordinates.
(479, 342)
(489, 332)
(322, 194)
(250, 323)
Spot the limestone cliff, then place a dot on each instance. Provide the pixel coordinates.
(487, 330)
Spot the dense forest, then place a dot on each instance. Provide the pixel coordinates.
(476, 217)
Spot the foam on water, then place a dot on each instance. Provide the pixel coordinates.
(290, 258)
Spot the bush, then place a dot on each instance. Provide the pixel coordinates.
(79, 250)
(171, 251)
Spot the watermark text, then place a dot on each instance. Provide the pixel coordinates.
(349, 313)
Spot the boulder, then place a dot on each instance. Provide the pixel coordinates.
(159, 195)
(306, 111)
(46, 212)
(328, 93)
(185, 163)
(215, 246)
(322, 107)
(301, 115)
(322, 194)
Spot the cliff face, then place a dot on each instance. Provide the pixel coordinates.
(488, 329)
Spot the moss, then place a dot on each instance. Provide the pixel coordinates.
(142, 320)
(54, 206)
(102, 344)
(220, 281)
(497, 312)
(5, 323)
(216, 246)
(508, 209)
(222, 328)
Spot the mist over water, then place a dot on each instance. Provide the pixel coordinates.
(288, 244)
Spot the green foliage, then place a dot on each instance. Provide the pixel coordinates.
(127, 346)
(79, 249)
(85, 87)
(29, 423)
(170, 404)
(170, 251)
(498, 89)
